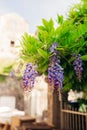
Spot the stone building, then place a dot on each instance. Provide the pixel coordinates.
(12, 27)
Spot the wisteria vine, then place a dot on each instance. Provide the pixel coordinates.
(55, 71)
(29, 76)
(78, 67)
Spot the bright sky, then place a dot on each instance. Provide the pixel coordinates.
(34, 10)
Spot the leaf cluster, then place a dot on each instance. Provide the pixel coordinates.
(71, 36)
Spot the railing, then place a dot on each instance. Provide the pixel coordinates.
(71, 118)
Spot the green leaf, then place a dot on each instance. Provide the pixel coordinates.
(67, 87)
(59, 19)
(83, 108)
(42, 53)
(60, 49)
(41, 28)
(84, 57)
(43, 67)
(48, 25)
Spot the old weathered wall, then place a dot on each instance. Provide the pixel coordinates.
(13, 87)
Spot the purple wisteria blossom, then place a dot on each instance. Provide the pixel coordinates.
(53, 47)
(55, 71)
(29, 76)
(78, 67)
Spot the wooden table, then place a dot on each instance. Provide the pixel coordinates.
(37, 126)
(19, 121)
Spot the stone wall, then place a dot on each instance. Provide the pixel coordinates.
(13, 87)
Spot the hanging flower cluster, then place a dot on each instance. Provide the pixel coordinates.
(78, 67)
(55, 71)
(29, 76)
